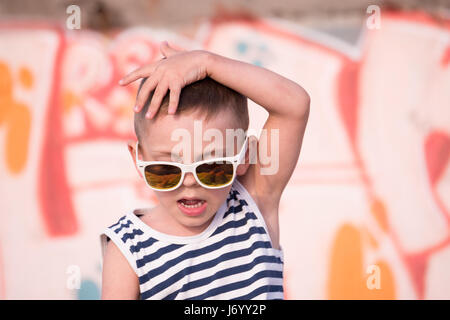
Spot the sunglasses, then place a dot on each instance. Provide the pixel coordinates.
(211, 174)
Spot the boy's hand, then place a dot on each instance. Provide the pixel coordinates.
(176, 70)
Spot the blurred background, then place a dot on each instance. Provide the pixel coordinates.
(366, 214)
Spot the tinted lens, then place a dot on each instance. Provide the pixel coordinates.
(215, 174)
(162, 176)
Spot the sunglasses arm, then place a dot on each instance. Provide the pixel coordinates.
(137, 146)
(243, 151)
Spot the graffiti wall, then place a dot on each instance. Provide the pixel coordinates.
(371, 191)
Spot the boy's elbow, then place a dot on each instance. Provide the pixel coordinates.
(303, 105)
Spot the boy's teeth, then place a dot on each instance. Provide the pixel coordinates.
(196, 204)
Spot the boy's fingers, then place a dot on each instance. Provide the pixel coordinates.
(133, 76)
(166, 49)
(142, 72)
(159, 94)
(174, 98)
(144, 93)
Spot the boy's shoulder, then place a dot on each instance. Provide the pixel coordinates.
(126, 226)
(119, 233)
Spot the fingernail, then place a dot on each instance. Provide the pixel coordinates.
(148, 115)
(120, 81)
(136, 108)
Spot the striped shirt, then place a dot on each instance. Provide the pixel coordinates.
(233, 258)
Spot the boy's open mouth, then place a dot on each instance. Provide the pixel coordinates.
(192, 206)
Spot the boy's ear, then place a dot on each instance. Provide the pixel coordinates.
(132, 149)
(250, 156)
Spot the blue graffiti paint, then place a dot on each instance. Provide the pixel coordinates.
(88, 290)
(242, 47)
(257, 63)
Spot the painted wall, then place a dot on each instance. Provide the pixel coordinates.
(372, 186)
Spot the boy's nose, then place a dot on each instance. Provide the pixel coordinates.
(189, 180)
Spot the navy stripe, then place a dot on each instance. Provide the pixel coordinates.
(126, 225)
(117, 223)
(236, 209)
(198, 252)
(130, 235)
(143, 244)
(204, 266)
(263, 289)
(239, 284)
(235, 223)
(232, 196)
(224, 273)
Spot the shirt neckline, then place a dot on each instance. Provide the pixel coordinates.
(182, 239)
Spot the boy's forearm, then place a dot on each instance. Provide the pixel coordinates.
(277, 94)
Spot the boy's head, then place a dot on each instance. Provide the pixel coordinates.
(202, 106)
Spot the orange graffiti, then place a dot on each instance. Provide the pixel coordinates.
(16, 117)
(69, 100)
(347, 274)
(26, 77)
(378, 210)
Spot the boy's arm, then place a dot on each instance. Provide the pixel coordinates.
(288, 107)
(119, 282)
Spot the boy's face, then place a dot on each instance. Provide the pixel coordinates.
(158, 146)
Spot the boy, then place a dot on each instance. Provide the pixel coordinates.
(215, 231)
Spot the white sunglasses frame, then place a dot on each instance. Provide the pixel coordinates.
(185, 168)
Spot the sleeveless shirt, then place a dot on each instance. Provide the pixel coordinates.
(233, 258)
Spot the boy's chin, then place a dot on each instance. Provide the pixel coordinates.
(196, 221)
(198, 224)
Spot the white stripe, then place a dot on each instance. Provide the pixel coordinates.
(269, 295)
(246, 290)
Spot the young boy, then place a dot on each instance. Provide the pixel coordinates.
(215, 231)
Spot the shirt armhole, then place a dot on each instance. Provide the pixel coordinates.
(252, 204)
(108, 235)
